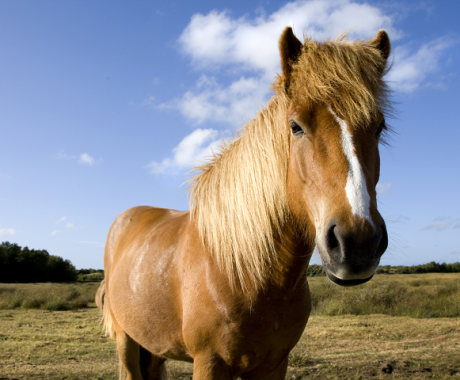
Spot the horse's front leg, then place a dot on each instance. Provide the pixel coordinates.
(210, 367)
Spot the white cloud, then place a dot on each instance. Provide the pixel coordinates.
(7, 231)
(248, 49)
(383, 188)
(397, 218)
(55, 232)
(456, 252)
(410, 70)
(67, 225)
(440, 224)
(149, 101)
(217, 41)
(192, 150)
(212, 101)
(62, 155)
(86, 159)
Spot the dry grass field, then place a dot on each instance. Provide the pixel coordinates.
(43, 344)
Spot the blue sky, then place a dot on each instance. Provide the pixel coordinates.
(105, 105)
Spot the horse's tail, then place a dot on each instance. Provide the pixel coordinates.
(108, 321)
(102, 302)
(100, 294)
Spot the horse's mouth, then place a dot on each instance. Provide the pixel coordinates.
(341, 282)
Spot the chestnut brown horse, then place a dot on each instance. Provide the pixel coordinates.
(224, 285)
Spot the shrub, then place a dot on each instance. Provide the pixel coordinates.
(46, 297)
(97, 276)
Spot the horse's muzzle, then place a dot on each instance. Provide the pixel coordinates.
(350, 257)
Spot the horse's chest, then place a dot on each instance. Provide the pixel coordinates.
(276, 324)
(264, 331)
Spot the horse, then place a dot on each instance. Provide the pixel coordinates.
(224, 285)
(100, 295)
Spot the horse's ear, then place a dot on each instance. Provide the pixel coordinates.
(290, 48)
(382, 42)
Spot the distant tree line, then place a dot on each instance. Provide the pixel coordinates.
(432, 267)
(90, 271)
(31, 265)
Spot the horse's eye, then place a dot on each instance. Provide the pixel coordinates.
(379, 129)
(296, 129)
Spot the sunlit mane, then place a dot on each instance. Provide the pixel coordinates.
(238, 199)
(345, 75)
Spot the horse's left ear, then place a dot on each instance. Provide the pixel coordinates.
(382, 42)
(290, 48)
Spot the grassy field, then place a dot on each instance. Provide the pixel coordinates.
(47, 296)
(43, 344)
(410, 295)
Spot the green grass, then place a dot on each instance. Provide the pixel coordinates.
(418, 296)
(47, 296)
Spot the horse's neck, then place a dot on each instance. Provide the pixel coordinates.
(294, 250)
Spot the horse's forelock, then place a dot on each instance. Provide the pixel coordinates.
(344, 75)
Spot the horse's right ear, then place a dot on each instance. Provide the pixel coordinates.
(382, 42)
(290, 48)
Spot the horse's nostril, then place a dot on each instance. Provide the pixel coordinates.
(383, 244)
(331, 240)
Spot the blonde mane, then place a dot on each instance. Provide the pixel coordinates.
(238, 199)
(345, 75)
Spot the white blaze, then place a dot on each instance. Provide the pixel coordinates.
(356, 188)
